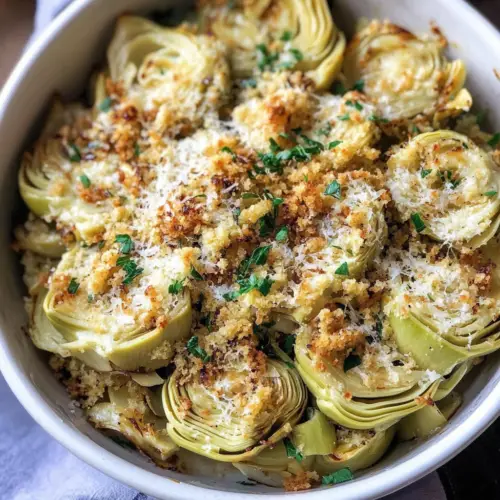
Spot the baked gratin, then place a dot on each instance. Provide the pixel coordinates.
(264, 244)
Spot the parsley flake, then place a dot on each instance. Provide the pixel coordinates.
(282, 233)
(85, 181)
(343, 269)
(337, 477)
(197, 351)
(195, 274)
(491, 193)
(74, 153)
(351, 361)
(227, 149)
(137, 149)
(292, 451)
(286, 36)
(495, 140)
(425, 172)
(418, 222)
(355, 104)
(359, 86)
(334, 189)
(105, 104)
(334, 144)
(130, 268)
(176, 286)
(73, 286)
(344, 118)
(126, 243)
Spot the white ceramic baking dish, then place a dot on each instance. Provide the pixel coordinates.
(60, 61)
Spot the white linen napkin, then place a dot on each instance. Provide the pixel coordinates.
(33, 466)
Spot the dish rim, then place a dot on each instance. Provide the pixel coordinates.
(383, 483)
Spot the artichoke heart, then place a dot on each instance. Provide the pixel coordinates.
(88, 308)
(58, 183)
(351, 235)
(381, 387)
(355, 450)
(405, 75)
(38, 237)
(448, 187)
(302, 30)
(182, 76)
(437, 316)
(229, 421)
(127, 413)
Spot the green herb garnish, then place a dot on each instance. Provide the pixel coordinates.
(344, 118)
(130, 268)
(137, 149)
(74, 153)
(491, 193)
(495, 140)
(105, 104)
(334, 144)
(343, 269)
(282, 233)
(334, 189)
(227, 149)
(176, 286)
(425, 172)
(286, 36)
(85, 181)
(351, 361)
(292, 451)
(337, 477)
(418, 222)
(359, 86)
(195, 274)
(73, 286)
(196, 350)
(126, 243)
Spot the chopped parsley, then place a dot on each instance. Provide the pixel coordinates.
(267, 223)
(74, 153)
(326, 130)
(282, 233)
(130, 268)
(249, 83)
(415, 129)
(464, 145)
(258, 258)
(491, 193)
(355, 104)
(495, 140)
(292, 451)
(337, 477)
(73, 286)
(85, 181)
(101, 244)
(127, 245)
(176, 286)
(378, 119)
(417, 222)
(344, 118)
(195, 274)
(137, 149)
(334, 189)
(286, 36)
(265, 59)
(351, 361)
(105, 104)
(197, 351)
(425, 172)
(263, 285)
(343, 269)
(227, 149)
(359, 86)
(334, 144)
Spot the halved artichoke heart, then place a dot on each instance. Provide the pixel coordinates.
(132, 328)
(127, 413)
(182, 75)
(441, 314)
(58, 184)
(352, 234)
(444, 181)
(310, 41)
(405, 75)
(355, 450)
(363, 397)
(38, 237)
(229, 421)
